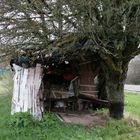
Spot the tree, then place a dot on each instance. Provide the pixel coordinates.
(113, 26)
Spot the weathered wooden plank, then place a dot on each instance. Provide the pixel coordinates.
(87, 85)
(93, 91)
(93, 99)
(37, 84)
(16, 90)
(27, 90)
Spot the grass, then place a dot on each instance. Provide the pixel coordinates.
(5, 84)
(22, 127)
(132, 104)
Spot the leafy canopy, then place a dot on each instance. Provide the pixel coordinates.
(113, 25)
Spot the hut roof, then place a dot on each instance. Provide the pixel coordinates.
(69, 48)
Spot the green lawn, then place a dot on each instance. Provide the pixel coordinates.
(132, 104)
(22, 127)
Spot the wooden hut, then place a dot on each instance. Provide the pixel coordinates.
(52, 82)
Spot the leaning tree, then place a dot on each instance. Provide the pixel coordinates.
(113, 26)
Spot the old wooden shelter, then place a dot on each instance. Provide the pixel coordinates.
(62, 78)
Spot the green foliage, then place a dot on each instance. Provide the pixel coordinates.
(49, 120)
(110, 24)
(24, 119)
(21, 120)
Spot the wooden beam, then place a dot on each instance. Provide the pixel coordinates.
(93, 99)
(87, 85)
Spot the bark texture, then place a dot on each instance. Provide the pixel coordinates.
(115, 79)
(102, 86)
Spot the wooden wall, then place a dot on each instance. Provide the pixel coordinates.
(87, 78)
(27, 91)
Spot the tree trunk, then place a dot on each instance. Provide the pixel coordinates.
(115, 71)
(102, 85)
(115, 93)
(115, 81)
